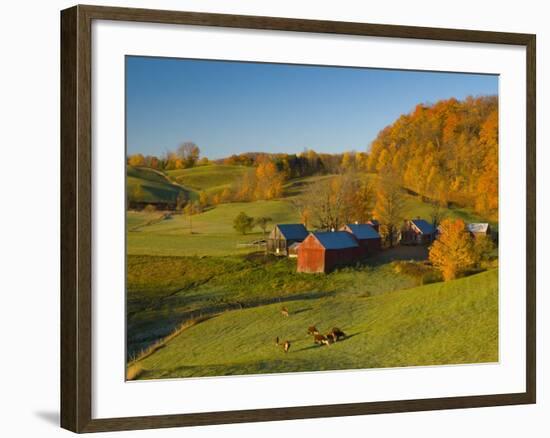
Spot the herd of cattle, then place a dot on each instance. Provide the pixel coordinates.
(331, 337)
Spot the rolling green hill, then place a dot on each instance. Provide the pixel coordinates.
(441, 323)
(211, 178)
(148, 185)
(213, 232)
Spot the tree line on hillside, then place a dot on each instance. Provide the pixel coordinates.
(185, 156)
(447, 152)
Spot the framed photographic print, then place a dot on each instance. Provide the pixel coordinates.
(269, 218)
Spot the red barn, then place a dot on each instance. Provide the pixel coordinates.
(366, 235)
(324, 252)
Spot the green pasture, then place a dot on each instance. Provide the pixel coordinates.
(165, 291)
(210, 178)
(441, 323)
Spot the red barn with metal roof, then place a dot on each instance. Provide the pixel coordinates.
(324, 252)
(366, 235)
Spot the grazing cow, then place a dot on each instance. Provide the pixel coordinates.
(332, 337)
(312, 330)
(286, 346)
(319, 339)
(328, 340)
(338, 334)
(284, 311)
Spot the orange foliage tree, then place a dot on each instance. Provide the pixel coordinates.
(453, 251)
(447, 151)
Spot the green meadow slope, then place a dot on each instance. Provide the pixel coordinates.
(211, 178)
(164, 291)
(148, 185)
(442, 323)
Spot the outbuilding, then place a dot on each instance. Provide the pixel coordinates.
(283, 236)
(324, 252)
(366, 235)
(374, 224)
(417, 232)
(479, 229)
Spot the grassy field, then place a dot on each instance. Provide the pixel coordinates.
(441, 323)
(213, 232)
(164, 291)
(151, 185)
(211, 178)
(180, 269)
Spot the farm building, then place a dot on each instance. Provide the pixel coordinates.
(366, 235)
(283, 236)
(417, 232)
(323, 252)
(374, 224)
(293, 249)
(479, 229)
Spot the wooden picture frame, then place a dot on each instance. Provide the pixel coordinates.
(76, 217)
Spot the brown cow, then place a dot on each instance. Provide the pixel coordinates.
(337, 334)
(284, 311)
(312, 330)
(319, 339)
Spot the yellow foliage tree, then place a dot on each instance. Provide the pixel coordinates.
(203, 199)
(389, 207)
(453, 251)
(136, 160)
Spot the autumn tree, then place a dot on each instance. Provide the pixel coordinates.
(389, 208)
(136, 160)
(189, 153)
(203, 199)
(269, 181)
(243, 223)
(324, 203)
(447, 152)
(453, 251)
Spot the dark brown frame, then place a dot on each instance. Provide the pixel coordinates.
(76, 238)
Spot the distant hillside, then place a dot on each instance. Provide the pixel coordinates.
(145, 185)
(442, 323)
(211, 178)
(446, 151)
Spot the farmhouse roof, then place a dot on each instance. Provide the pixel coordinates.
(424, 226)
(478, 227)
(293, 231)
(363, 231)
(336, 240)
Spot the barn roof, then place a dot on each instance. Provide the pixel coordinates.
(336, 240)
(293, 231)
(424, 226)
(478, 227)
(363, 231)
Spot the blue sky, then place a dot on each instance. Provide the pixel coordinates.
(234, 107)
